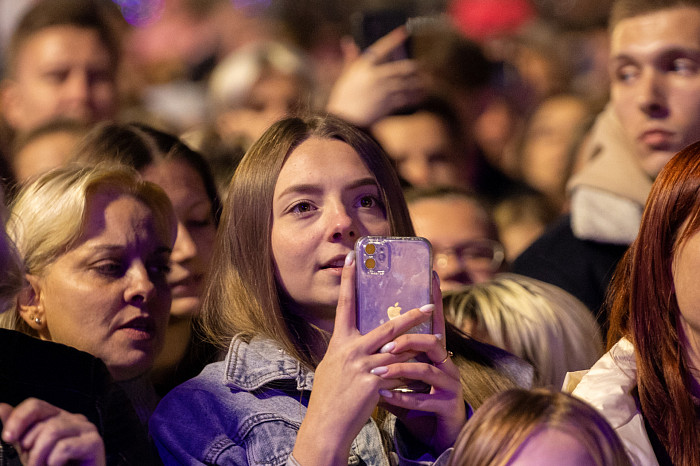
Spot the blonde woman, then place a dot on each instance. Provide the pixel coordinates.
(539, 322)
(96, 243)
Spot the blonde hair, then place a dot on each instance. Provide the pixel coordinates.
(242, 296)
(11, 273)
(48, 216)
(233, 78)
(536, 321)
(498, 430)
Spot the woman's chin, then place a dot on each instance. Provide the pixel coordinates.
(185, 307)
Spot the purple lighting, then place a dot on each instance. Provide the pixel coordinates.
(140, 12)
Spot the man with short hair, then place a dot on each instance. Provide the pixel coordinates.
(61, 62)
(654, 111)
(466, 246)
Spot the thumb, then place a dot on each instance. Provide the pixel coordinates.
(345, 319)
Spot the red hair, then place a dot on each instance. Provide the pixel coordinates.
(643, 306)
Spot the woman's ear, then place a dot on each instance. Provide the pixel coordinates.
(31, 309)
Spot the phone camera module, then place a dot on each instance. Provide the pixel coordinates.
(370, 263)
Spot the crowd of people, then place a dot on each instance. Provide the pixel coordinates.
(184, 183)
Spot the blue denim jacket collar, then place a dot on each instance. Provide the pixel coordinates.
(250, 366)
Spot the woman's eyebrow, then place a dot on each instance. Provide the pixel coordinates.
(314, 189)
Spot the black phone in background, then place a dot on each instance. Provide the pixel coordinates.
(370, 26)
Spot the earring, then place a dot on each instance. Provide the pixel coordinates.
(37, 320)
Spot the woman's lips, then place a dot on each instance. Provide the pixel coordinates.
(140, 328)
(335, 265)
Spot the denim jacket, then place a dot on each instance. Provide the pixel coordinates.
(247, 410)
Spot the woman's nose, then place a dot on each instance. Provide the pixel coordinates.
(342, 225)
(140, 288)
(185, 247)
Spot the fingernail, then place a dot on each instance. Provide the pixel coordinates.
(350, 258)
(386, 393)
(439, 336)
(428, 308)
(388, 347)
(379, 370)
(437, 277)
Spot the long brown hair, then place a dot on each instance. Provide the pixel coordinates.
(644, 309)
(242, 295)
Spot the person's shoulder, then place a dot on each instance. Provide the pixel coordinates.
(54, 364)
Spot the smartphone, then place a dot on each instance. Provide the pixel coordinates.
(394, 275)
(371, 25)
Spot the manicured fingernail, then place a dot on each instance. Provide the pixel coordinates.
(388, 347)
(428, 308)
(386, 393)
(379, 370)
(439, 336)
(350, 258)
(435, 274)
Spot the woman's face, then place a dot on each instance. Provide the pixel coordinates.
(325, 198)
(108, 295)
(195, 232)
(686, 270)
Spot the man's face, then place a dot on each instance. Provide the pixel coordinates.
(655, 82)
(61, 71)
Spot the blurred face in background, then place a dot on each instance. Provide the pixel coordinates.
(196, 231)
(465, 245)
(61, 71)
(424, 153)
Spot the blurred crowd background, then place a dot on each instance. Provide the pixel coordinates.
(524, 77)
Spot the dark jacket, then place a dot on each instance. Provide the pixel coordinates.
(581, 267)
(76, 382)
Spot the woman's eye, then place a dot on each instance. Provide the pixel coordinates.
(369, 202)
(302, 207)
(109, 268)
(200, 223)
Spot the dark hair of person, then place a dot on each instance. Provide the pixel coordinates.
(140, 146)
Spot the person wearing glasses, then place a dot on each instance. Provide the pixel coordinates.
(466, 246)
